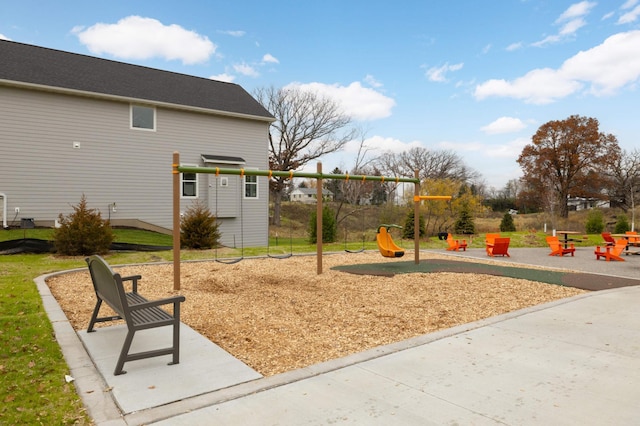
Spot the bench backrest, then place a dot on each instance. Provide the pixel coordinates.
(107, 284)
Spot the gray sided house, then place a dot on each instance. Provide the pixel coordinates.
(72, 124)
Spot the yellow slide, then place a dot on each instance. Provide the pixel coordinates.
(385, 243)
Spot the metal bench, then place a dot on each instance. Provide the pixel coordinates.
(138, 312)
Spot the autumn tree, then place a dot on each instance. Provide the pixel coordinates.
(440, 216)
(563, 158)
(307, 126)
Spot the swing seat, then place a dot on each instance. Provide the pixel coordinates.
(385, 243)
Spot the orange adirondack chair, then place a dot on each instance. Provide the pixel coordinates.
(489, 241)
(499, 247)
(455, 245)
(608, 239)
(612, 253)
(557, 249)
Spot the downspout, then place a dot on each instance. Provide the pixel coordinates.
(4, 210)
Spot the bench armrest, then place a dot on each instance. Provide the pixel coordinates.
(134, 284)
(159, 302)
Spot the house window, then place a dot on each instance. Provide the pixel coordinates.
(251, 187)
(143, 117)
(189, 182)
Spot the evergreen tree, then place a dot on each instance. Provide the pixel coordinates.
(408, 230)
(507, 225)
(464, 224)
(199, 228)
(595, 222)
(329, 226)
(83, 232)
(622, 225)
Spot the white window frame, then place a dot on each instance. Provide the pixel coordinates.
(131, 110)
(183, 181)
(246, 184)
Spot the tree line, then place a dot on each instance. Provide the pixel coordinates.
(565, 158)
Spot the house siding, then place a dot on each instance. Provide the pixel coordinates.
(42, 173)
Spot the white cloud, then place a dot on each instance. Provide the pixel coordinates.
(629, 4)
(630, 16)
(228, 78)
(371, 81)
(572, 26)
(609, 66)
(576, 10)
(438, 74)
(504, 125)
(360, 103)
(136, 37)
(270, 58)
(4, 37)
(571, 20)
(246, 69)
(514, 46)
(234, 33)
(512, 149)
(603, 69)
(380, 144)
(540, 86)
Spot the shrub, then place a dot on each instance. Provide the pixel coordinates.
(507, 225)
(199, 228)
(595, 222)
(622, 225)
(82, 232)
(407, 231)
(329, 226)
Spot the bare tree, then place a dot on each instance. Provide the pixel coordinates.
(626, 179)
(432, 164)
(308, 126)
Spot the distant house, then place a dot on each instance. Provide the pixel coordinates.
(309, 195)
(72, 124)
(581, 203)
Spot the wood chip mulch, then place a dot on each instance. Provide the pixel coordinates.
(278, 315)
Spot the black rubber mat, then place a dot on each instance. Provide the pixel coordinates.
(584, 281)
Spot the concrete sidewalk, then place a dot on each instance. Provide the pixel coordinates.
(575, 361)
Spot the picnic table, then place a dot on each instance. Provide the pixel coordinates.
(633, 240)
(566, 240)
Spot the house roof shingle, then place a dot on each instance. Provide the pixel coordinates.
(33, 65)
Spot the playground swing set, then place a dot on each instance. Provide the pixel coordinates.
(385, 243)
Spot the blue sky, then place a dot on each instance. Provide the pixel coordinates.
(477, 78)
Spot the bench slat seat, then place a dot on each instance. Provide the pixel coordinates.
(137, 312)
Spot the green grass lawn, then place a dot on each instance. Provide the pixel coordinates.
(32, 368)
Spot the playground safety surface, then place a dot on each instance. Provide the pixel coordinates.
(585, 281)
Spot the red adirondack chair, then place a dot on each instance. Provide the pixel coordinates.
(608, 239)
(489, 241)
(500, 247)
